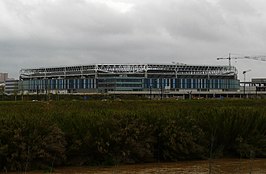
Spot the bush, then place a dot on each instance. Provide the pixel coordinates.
(42, 135)
(30, 142)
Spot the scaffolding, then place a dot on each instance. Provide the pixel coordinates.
(145, 69)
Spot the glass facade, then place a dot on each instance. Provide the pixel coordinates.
(120, 84)
(191, 83)
(129, 84)
(58, 84)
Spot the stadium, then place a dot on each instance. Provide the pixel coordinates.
(129, 78)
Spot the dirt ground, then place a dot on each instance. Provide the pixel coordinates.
(224, 166)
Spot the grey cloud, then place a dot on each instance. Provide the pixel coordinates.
(238, 7)
(67, 32)
(86, 18)
(189, 19)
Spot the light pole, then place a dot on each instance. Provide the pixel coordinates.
(244, 73)
(161, 88)
(150, 92)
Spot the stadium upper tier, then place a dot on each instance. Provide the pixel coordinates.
(145, 69)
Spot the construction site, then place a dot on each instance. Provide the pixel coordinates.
(154, 81)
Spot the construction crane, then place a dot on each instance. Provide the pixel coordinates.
(259, 58)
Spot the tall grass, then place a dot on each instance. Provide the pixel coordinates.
(44, 134)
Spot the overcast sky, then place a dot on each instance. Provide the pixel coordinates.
(40, 33)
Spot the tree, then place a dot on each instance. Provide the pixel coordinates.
(2, 89)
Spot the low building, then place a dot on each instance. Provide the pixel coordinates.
(259, 83)
(11, 86)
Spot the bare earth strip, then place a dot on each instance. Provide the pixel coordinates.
(224, 166)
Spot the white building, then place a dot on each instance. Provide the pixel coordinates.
(11, 86)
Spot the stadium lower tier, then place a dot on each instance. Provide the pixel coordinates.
(103, 85)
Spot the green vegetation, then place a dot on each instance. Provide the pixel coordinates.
(40, 135)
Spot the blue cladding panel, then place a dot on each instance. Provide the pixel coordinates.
(173, 83)
(188, 83)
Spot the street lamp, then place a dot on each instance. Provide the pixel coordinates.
(150, 91)
(162, 88)
(244, 72)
